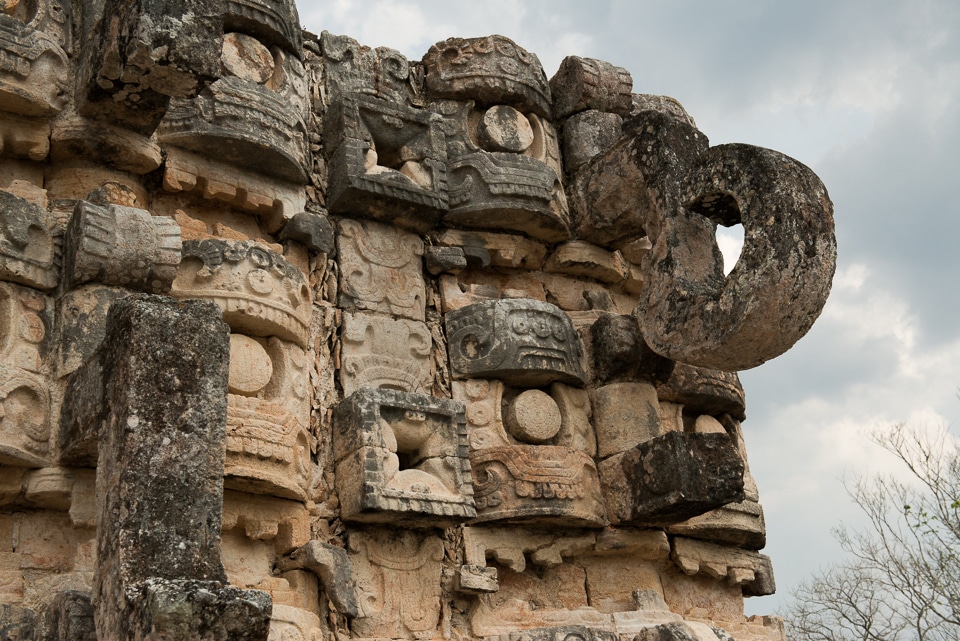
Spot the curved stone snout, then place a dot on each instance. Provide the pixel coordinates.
(688, 310)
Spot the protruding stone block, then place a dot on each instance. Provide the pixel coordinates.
(619, 352)
(121, 246)
(379, 351)
(34, 76)
(586, 83)
(70, 617)
(578, 258)
(587, 135)
(29, 244)
(704, 391)
(273, 22)
(17, 623)
(752, 571)
(402, 458)
(522, 342)
(314, 231)
(332, 565)
(349, 67)
(624, 415)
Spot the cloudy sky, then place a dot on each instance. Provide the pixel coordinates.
(865, 93)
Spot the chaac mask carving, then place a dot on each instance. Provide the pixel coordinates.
(463, 361)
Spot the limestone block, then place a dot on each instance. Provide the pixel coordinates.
(24, 179)
(679, 631)
(294, 624)
(520, 341)
(25, 423)
(704, 391)
(476, 579)
(63, 489)
(121, 246)
(142, 53)
(579, 295)
(587, 83)
(740, 524)
(75, 138)
(161, 462)
(674, 477)
(619, 352)
(332, 566)
(578, 258)
(381, 269)
(562, 633)
(34, 80)
(398, 583)
(402, 458)
(70, 618)
(635, 250)
(379, 351)
(614, 198)
(285, 523)
(576, 429)
(588, 134)
(272, 200)
(349, 67)
(664, 104)
(11, 484)
(438, 260)
(503, 250)
(537, 484)
(29, 244)
(24, 138)
(624, 415)
(275, 23)
(258, 291)
(474, 286)
(752, 571)
(17, 622)
(491, 70)
(782, 279)
(513, 547)
(386, 161)
(313, 230)
(503, 190)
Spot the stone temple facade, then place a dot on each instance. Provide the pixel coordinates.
(305, 340)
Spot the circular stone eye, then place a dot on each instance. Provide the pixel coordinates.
(533, 417)
(503, 128)
(250, 366)
(520, 326)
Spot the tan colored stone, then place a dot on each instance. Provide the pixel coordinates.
(76, 180)
(250, 366)
(505, 250)
(24, 138)
(285, 523)
(75, 138)
(634, 251)
(576, 430)
(743, 568)
(246, 58)
(579, 258)
(503, 128)
(533, 417)
(379, 351)
(624, 415)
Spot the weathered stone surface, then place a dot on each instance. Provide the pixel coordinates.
(586, 83)
(29, 244)
(740, 524)
(332, 565)
(483, 249)
(263, 518)
(491, 70)
(398, 583)
(752, 571)
(677, 476)
(452, 260)
(625, 415)
(519, 341)
(121, 246)
(664, 104)
(71, 618)
(34, 78)
(578, 258)
(259, 292)
(314, 231)
(402, 458)
(783, 276)
(274, 22)
(587, 135)
(75, 138)
(381, 269)
(142, 53)
(679, 631)
(349, 67)
(704, 391)
(619, 353)
(379, 351)
(387, 162)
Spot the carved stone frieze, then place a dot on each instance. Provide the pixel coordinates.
(33, 69)
(522, 342)
(349, 67)
(402, 458)
(381, 269)
(750, 570)
(275, 22)
(586, 83)
(379, 351)
(30, 251)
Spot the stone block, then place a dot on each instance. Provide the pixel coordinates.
(522, 342)
(578, 258)
(751, 571)
(386, 161)
(70, 617)
(587, 83)
(77, 139)
(29, 244)
(273, 22)
(331, 564)
(476, 579)
(402, 458)
(587, 135)
(664, 104)
(740, 524)
(312, 230)
(381, 269)
(624, 415)
(258, 291)
(121, 246)
(17, 623)
(288, 622)
(35, 74)
(349, 67)
(439, 260)
(678, 475)
(285, 523)
(24, 138)
(619, 352)
(502, 250)
(704, 391)
(491, 70)
(379, 351)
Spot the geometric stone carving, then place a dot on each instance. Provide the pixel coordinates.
(398, 584)
(522, 342)
(672, 477)
(577, 258)
(260, 293)
(24, 391)
(29, 245)
(402, 458)
(286, 523)
(625, 415)
(491, 70)
(74, 138)
(379, 351)
(586, 83)
(121, 246)
(161, 463)
(750, 570)
(34, 75)
(781, 281)
(312, 230)
(537, 484)
(381, 269)
(386, 161)
(349, 67)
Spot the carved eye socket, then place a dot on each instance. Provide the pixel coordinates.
(521, 326)
(542, 328)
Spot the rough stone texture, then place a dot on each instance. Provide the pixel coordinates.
(313, 231)
(588, 134)
(273, 22)
(71, 618)
(625, 415)
(121, 246)
(619, 352)
(402, 458)
(17, 623)
(664, 104)
(521, 342)
(751, 571)
(491, 70)
(29, 247)
(332, 565)
(704, 391)
(586, 83)
(349, 67)
(677, 476)
(782, 278)
(34, 79)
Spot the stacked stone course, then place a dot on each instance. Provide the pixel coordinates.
(300, 339)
